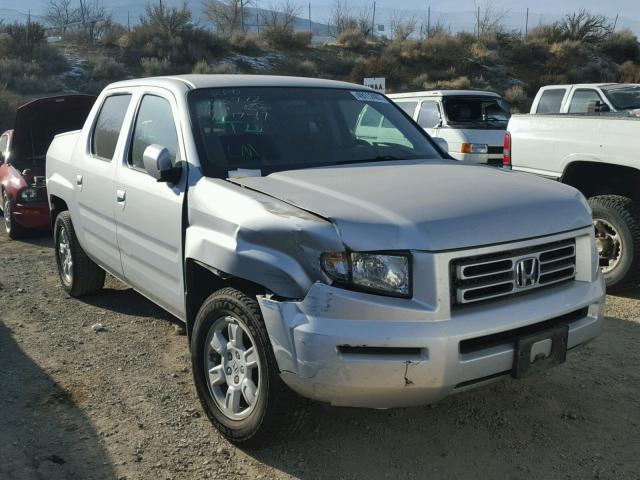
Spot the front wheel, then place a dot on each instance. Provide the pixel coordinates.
(616, 221)
(14, 231)
(78, 273)
(236, 374)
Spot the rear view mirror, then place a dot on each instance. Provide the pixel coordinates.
(442, 143)
(157, 163)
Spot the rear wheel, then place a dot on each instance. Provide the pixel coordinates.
(616, 221)
(78, 273)
(236, 374)
(14, 231)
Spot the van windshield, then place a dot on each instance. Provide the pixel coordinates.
(476, 112)
(276, 128)
(623, 97)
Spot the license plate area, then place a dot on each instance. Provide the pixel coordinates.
(539, 351)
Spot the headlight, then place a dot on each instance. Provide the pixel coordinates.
(475, 148)
(28, 195)
(388, 274)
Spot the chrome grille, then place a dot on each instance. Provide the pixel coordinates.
(485, 277)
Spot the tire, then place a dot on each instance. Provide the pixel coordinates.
(14, 231)
(617, 223)
(276, 411)
(82, 276)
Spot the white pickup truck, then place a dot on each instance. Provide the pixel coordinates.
(303, 257)
(588, 98)
(596, 154)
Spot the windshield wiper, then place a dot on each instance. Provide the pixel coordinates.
(379, 158)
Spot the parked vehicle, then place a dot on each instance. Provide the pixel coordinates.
(469, 124)
(304, 258)
(597, 155)
(22, 154)
(588, 98)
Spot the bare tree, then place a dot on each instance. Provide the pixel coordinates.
(61, 14)
(227, 15)
(489, 18)
(345, 19)
(401, 26)
(169, 21)
(93, 18)
(585, 27)
(280, 16)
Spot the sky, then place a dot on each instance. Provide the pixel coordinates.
(457, 14)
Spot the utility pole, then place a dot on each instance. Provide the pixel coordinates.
(128, 21)
(526, 24)
(241, 15)
(615, 22)
(373, 21)
(478, 27)
(429, 21)
(310, 30)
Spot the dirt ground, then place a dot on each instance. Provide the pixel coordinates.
(76, 404)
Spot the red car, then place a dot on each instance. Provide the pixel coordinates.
(23, 193)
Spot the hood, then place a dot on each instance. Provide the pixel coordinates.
(37, 122)
(428, 205)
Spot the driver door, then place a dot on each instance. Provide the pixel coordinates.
(149, 213)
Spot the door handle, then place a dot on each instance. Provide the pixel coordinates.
(121, 196)
(79, 180)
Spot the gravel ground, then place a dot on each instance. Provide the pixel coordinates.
(120, 403)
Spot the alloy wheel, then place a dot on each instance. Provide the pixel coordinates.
(6, 213)
(64, 256)
(232, 366)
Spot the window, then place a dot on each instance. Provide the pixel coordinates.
(429, 116)
(275, 129)
(154, 125)
(108, 125)
(481, 112)
(409, 107)
(4, 140)
(623, 96)
(551, 101)
(585, 101)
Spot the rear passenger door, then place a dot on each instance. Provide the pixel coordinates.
(586, 100)
(551, 100)
(95, 222)
(149, 213)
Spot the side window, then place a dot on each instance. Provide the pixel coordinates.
(585, 101)
(408, 107)
(429, 116)
(108, 125)
(551, 101)
(154, 124)
(374, 127)
(4, 140)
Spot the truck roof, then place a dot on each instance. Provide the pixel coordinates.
(193, 81)
(578, 85)
(444, 93)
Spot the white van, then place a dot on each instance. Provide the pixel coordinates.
(470, 123)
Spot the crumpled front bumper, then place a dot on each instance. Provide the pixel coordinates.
(355, 349)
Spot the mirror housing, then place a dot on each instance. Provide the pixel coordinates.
(442, 143)
(602, 107)
(157, 163)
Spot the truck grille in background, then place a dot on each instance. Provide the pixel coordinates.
(486, 277)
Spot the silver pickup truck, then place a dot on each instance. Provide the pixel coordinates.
(308, 261)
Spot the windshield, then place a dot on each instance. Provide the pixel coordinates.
(273, 128)
(476, 112)
(623, 97)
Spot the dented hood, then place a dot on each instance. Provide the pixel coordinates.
(428, 205)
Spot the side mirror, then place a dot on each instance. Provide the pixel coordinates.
(602, 107)
(442, 143)
(157, 163)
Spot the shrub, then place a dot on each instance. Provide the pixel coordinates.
(286, 39)
(106, 68)
(9, 102)
(352, 39)
(460, 83)
(21, 39)
(517, 98)
(201, 67)
(622, 46)
(244, 43)
(629, 72)
(153, 67)
(225, 68)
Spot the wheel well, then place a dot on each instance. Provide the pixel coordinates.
(593, 179)
(201, 281)
(57, 206)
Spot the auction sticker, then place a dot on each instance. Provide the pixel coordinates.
(368, 96)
